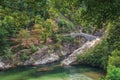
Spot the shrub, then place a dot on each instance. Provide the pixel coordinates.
(113, 70)
(114, 59)
(113, 73)
(8, 53)
(24, 57)
(65, 26)
(98, 56)
(33, 48)
(23, 34)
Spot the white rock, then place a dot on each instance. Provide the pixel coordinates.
(47, 59)
(2, 65)
(73, 57)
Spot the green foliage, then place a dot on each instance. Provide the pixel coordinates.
(8, 28)
(33, 48)
(68, 8)
(8, 53)
(113, 38)
(107, 53)
(113, 73)
(24, 56)
(32, 7)
(65, 26)
(97, 56)
(23, 34)
(114, 59)
(16, 15)
(46, 28)
(34, 22)
(102, 11)
(89, 13)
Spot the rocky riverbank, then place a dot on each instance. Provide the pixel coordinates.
(46, 55)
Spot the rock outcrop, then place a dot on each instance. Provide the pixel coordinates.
(45, 59)
(5, 64)
(2, 65)
(73, 57)
(68, 53)
(88, 37)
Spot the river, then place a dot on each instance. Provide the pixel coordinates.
(53, 73)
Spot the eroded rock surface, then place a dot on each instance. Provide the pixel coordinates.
(73, 57)
(68, 53)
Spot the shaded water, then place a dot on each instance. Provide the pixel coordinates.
(55, 73)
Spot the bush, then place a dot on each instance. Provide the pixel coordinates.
(114, 59)
(113, 70)
(33, 48)
(8, 53)
(65, 26)
(8, 30)
(98, 56)
(24, 57)
(113, 37)
(113, 73)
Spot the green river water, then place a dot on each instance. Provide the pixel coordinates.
(55, 73)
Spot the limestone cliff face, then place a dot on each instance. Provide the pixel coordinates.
(2, 65)
(46, 55)
(5, 64)
(73, 57)
(42, 56)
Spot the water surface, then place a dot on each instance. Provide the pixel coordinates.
(54, 73)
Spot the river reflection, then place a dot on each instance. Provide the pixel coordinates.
(52, 73)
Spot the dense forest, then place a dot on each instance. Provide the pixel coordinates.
(33, 24)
